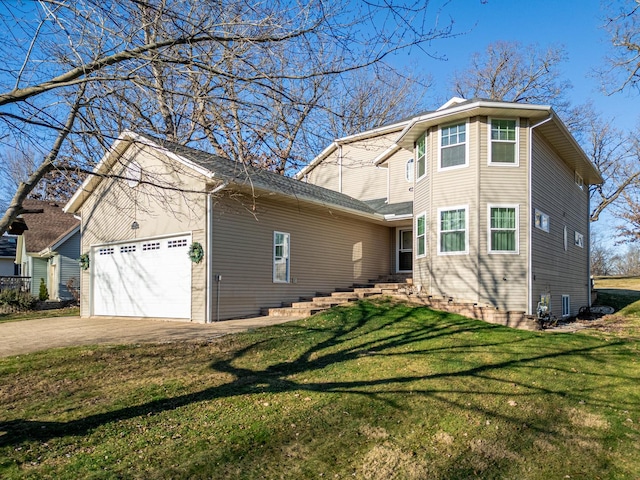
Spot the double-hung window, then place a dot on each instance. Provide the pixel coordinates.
(504, 142)
(421, 154)
(503, 229)
(453, 146)
(452, 230)
(421, 235)
(280, 257)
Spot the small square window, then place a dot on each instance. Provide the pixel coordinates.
(579, 240)
(541, 221)
(579, 180)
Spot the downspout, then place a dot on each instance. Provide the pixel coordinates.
(530, 224)
(589, 247)
(340, 168)
(209, 241)
(478, 197)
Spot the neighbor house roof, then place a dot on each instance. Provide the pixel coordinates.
(227, 172)
(47, 227)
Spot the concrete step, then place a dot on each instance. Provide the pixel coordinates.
(292, 312)
(391, 286)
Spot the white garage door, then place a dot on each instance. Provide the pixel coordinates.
(143, 278)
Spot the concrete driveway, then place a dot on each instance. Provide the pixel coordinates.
(28, 336)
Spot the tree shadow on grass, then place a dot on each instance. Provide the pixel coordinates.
(353, 332)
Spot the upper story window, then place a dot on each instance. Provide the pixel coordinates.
(409, 170)
(453, 146)
(504, 142)
(421, 154)
(579, 181)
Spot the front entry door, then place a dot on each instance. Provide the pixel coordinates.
(405, 250)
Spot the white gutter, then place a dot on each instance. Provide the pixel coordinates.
(530, 224)
(209, 241)
(392, 217)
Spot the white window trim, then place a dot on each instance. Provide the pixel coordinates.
(417, 159)
(542, 215)
(288, 257)
(416, 248)
(466, 147)
(579, 180)
(517, 142)
(578, 239)
(466, 227)
(503, 252)
(568, 312)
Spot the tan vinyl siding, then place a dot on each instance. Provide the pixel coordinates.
(327, 250)
(422, 202)
(327, 173)
(109, 212)
(350, 169)
(400, 190)
(455, 275)
(555, 193)
(503, 276)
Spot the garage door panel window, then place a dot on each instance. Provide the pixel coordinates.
(280, 257)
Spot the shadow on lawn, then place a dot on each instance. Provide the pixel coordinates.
(339, 346)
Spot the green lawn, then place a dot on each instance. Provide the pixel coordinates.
(31, 314)
(372, 391)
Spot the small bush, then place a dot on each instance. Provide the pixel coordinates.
(43, 294)
(17, 298)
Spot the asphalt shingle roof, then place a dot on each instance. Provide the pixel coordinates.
(240, 174)
(46, 228)
(381, 206)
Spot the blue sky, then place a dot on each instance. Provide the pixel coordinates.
(573, 24)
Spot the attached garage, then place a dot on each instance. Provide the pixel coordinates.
(143, 278)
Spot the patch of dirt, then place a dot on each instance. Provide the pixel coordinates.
(581, 418)
(444, 438)
(376, 433)
(386, 461)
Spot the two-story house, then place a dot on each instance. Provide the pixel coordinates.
(483, 201)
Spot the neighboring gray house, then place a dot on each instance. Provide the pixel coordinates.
(483, 201)
(49, 248)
